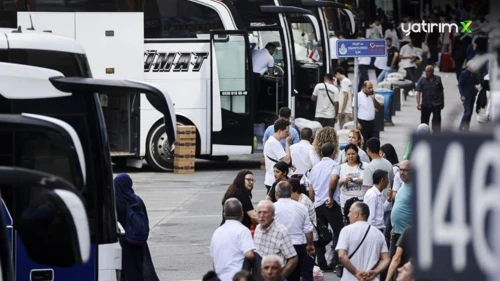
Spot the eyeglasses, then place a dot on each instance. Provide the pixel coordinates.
(250, 180)
(404, 170)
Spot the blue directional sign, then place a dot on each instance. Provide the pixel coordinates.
(361, 48)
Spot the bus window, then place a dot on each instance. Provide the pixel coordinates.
(179, 19)
(69, 64)
(304, 42)
(232, 72)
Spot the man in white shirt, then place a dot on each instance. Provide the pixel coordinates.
(366, 112)
(376, 202)
(300, 152)
(231, 243)
(346, 95)
(273, 151)
(295, 217)
(408, 56)
(324, 193)
(262, 60)
(372, 256)
(326, 96)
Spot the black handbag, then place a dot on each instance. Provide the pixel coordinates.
(325, 235)
(339, 269)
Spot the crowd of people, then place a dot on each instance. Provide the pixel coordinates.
(420, 51)
(327, 209)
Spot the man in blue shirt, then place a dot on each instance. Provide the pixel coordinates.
(286, 113)
(467, 88)
(401, 211)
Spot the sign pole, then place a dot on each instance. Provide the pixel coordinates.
(356, 90)
(359, 48)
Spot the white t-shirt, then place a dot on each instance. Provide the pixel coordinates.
(346, 86)
(351, 189)
(368, 254)
(300, 156)
(262, 61)
(273, 149)
(366, 107)
(313, 157)
(333, 47)
(324, 107)
(380, 63)
(405, 52)
(228, 246)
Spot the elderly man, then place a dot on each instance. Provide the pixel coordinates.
(401, 211)
(231, 242)
(295, 217)
(362, 248)
(430, 98)
(272, 238)
(272, 268)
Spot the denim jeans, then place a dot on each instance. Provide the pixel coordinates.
(388, 70)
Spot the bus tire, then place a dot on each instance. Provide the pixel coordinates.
(158, 154)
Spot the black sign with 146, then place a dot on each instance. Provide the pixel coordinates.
(456, 192)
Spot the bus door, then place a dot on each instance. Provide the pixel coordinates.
(51, 146)
(299, 105)
(233, 101)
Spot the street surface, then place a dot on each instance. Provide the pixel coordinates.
(184, 210)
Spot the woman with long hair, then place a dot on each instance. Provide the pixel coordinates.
(354, 137)
(388, 152)
(325, 135)
(136, 258)
(241, 189)
(280, 170)
(351, 176)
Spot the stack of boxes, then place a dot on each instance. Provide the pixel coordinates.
(185, 149)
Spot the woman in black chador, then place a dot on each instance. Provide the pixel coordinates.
(136, 258)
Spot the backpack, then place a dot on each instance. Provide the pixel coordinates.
(137, 230)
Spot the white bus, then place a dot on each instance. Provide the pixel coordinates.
(197, 50)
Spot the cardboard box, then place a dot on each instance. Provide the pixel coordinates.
(184, 166)
(186, 133)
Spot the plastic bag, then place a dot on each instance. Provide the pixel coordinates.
(318, 274)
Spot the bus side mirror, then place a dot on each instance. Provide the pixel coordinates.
(48, 215)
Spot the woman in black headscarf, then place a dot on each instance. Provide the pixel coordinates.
(136, 258)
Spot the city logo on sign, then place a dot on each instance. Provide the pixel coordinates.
(342, 49)
(441, 27)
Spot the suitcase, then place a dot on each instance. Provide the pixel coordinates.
(446, 63)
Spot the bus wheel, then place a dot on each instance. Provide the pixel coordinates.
(158, 150)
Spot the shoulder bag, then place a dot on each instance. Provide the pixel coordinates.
(339, 269)
(326, 91)
(325, 235)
